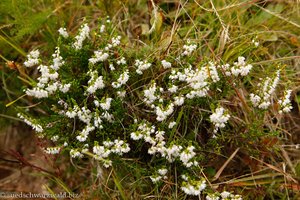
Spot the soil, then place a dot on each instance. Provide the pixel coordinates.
(14, 176)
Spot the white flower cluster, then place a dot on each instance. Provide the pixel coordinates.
(63, 32)
(160, 174)
(48, 81)
(223, 196)
(166, 64)
(193, 187)
(188, 48)
(198, 81)
(212, 197)
(219, 118)
(141, 66)
(172, 124)
(163, 113)
(99, 56)
(185, 82)
(122, 80)
(92, 120)
(52, 150)
(145, 130)
(239, 68)
(263, 99)
(118, 147)
(32, 58)
(150, 94)
(171, 153)
(187, 155)
(82, 137)
(116, 41)
(76, 153)
(37, 127)
(121, 61)
(255, 42)
(83, 34)
(106, 104)
(95, 82)
(285, 102)
(212, 72)
(102, 28)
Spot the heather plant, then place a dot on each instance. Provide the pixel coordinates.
(169, 112)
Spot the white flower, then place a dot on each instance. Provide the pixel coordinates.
(52, 150)
(121, 94)
(219, 118)
(150, 95)
(37, 127)
(263, 99)
(255, 99)
(212, 197)
(141, 66)
(32, 58)
(116, 41)
(84, 114)
(95, 83)
(54, 138)
(37, 92)
(172, 152)
(99, 56)
(173, 89)
(75, 153)
(225, 194)
(84, 133)
(166, 64)
(102, 28)
(256, 43)
(122, 80)
(120, 147)
(122, 61)
(179, 101)
(101, 152)
(171, 124)
(71, 114)
(213, 72)
(57, 60)
(107, 163)
(106, 104)
(186, 156)
(188, 49)
(98, 122)
(136, 135)
(64, 87)
(285, 102)
(163, 113)
(111, 67)
(63, 32)
(51, 88)
(240, 67)
(193, 188)
(109, 117)
(83, 34)
(155, 179)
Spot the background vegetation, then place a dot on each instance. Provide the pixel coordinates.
(262, 168)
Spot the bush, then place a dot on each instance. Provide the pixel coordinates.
(166, 113)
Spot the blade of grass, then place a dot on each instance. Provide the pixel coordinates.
(119, 186)
(12, 45)
(51, 192)
(278, 16)
(14, 101)
(225, 164)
